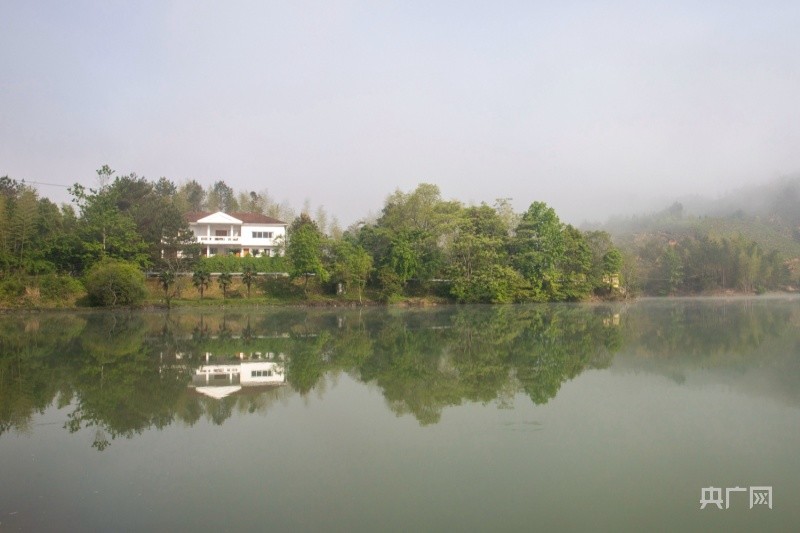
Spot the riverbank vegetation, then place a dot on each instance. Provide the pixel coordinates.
(420, 247)
(747, 242)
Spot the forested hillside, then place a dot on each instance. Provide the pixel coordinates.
(746, 241)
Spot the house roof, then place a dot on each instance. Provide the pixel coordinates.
(256, 218)
(221, 392)
(246, 218)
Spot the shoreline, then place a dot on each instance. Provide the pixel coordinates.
(410, 303)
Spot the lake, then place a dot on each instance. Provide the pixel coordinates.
(617, 417)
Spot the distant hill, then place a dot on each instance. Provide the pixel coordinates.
(679, 249)
(779, 198)
(767, 214)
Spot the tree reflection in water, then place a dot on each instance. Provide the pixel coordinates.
(125, 372)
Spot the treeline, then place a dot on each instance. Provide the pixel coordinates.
(424, 245)
(672, 252)
(421, 245)
(698, 263)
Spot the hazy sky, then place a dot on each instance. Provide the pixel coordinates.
(592, 107)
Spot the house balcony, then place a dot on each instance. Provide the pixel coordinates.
(213, 239)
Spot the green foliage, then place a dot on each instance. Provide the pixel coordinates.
(390, 283)
(280, 287)
(248, 276)
(224, 280)
(492, 284)
(576, 266)
(191, 196)
(352, 266)
(201, 278)
(30, 227)
(699, 263)
(671, 271)
(606, 262)
(231, 263)
(166, 278)
(111, 282)
(304, 250)
(537, 249)
(58, 288)
(412, 233)
(104, 230)
(11, 288)
(745, 241)
(404, 256)
(478, 260)
(421, 245)
(222, 198)
(611, 261)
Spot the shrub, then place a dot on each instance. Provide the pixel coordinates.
(280, 287)
(112, 282)
(59, 288)
(231, 263)
(11, 288)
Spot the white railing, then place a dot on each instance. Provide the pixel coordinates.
(213, 238)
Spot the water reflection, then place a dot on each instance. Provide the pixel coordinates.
(125, 372)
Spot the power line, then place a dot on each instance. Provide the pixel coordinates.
(43, 183)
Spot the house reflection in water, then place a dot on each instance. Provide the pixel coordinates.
(218, 379)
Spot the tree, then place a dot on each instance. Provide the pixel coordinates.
(537, 249)
(575, 266)
(224, 280)
(403, 257)
(249, 275)
(191, 196)
(5, 240)
(671, 270)
(505, 212)
(222, 198)
(105, 231)
(153, 207)
(304, 250)
(606, 261)
(200, 279)
(420, 226)
(612, 264)
(252, 202)
(28, 224)
(166, 279)
(477, 259)
(23, 223)
(352, 265)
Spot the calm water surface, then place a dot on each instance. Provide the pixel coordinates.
(508, 418)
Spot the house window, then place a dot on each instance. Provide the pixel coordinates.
(260, 373)
(262, 234)
(212, 251)
(220, 233)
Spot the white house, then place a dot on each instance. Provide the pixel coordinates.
(237, 233)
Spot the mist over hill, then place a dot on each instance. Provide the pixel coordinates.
(769, 211)
(747, 240)
(780, 197)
